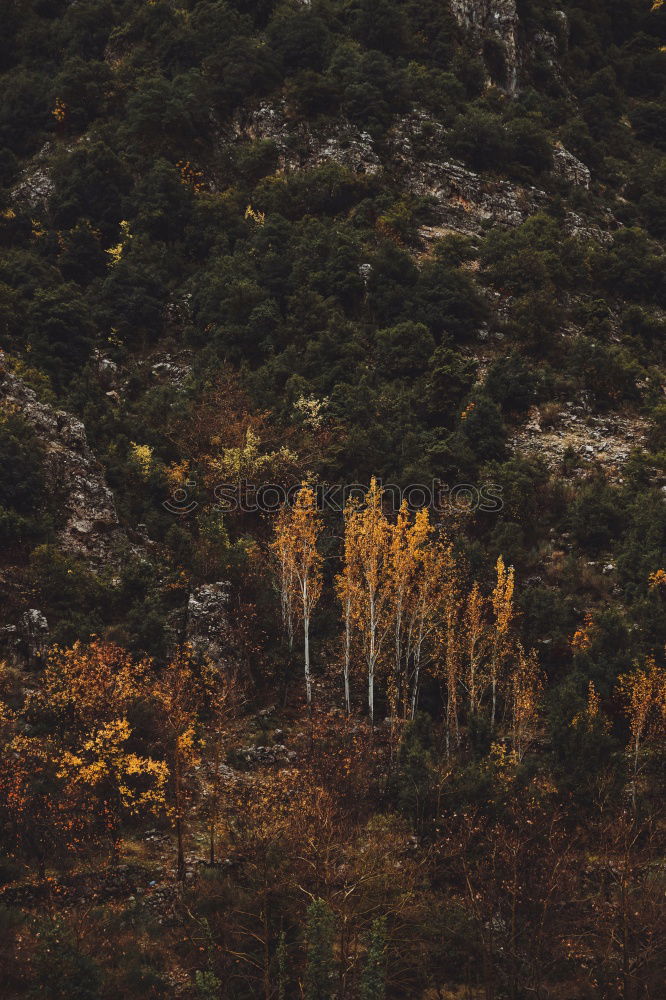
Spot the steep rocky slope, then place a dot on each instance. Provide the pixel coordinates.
(90, 527)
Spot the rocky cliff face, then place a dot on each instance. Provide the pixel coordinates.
(26, 643)
(495, 20)
(35, 185)
(494, 30)
(603, 441)
(207, 625)
(90, 529)
(301, 145)
(462, 200)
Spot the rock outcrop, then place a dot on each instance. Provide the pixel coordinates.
(569, 167)
(26, 643)
(417, 159)
(207, 625)
(300, 146)
(90, 529)
(602, 440)
(462, 200)
(495, 20)
(35, 185)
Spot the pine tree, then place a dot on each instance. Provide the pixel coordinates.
(373, 977)
(319, 967)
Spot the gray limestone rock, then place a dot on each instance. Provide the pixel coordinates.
(207, 626)
(91, 529)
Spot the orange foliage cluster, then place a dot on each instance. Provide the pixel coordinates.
(73, 788)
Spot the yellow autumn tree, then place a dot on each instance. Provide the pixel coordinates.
(526, 687)
(591, 718)
(91, 683)
(249, 463)
(368, 535)
(417, 576)
(297, 532)
(401, 569)
(176, 692)
(643, 693)
(503, 612)
(281, 549)
(344, 585)
(475, 642)
(122, 781)
(433, 595)
(452, 667)
(33, 818)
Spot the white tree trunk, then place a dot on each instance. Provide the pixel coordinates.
(306, 643)
(371, 665)
(415, 688)
(347, 661)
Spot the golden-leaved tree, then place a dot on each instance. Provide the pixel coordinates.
(367, 538)
(88, 684)
(500, 636)
(344, 585)
(525, 694)
(177, 693)
(406, 612)
(122, 782)
(475, 641)
(644, 695)
(432, 597)
(297, 532)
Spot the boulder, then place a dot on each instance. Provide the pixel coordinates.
(569, 167)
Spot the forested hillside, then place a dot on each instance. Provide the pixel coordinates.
(332, 505)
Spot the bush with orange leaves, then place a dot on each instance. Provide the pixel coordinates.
(91, 683)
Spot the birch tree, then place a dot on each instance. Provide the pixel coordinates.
(401, 573)
(344, 585)
(644, 696)
(282, 550)
(433, 591)
(452, 669)
(296, 535)
(369, 537)
(503, 612)
(475, 644)
(526, 690)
